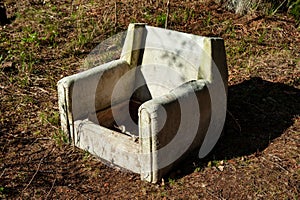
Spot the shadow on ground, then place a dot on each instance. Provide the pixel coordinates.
(258, 112)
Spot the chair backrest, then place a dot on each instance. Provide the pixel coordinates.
(165, 59)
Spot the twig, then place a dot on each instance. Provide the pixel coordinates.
(276, 164)
(3, 172)
(37, 170)
(254, 106)
(168, 11)
(212, 194)
(236, 122)
(116, 16)
(37, 139)
(50, 189)
(43, 90)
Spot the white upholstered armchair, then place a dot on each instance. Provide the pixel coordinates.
(163, 98)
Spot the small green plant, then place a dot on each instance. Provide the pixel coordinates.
(54, 119)
(3, 37)
(207, 21)
(214, 163)
(175, 17)
(54, 8)
(294, 9)
(83, 39)
(86, 155)
(147, 15)
(51, 35)
(18, 15)
(188, 14)
(31, 38)
(2, 192)
(27, 61)
(163, 194)
(161, 20)
(60, 137)
(262, 36)
(198, 169)
(42, 117)
(171, 181)
(23, 81)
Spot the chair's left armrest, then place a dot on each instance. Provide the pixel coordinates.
(89, 91)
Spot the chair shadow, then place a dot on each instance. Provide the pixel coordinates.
(259, 111)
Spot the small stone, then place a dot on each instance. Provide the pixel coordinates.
(221, 168)
(162, 182)
(203, 185)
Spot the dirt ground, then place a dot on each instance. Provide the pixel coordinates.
(257, 158)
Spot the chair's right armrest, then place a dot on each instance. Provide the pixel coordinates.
(171, 125)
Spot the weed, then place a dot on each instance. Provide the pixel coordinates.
(27, 61)
(31, 38)
(171, 181)
(198, 169)
(161, 20)
(83, 39)
(2, 192)
(294, 9)
(18, 15)
(175, 17)
(54, 119)
(3, 37)
(147, 14)
(23, 81)
(54, 8)
(262, 36)
(51, 34)
(86, 155)
(133, 20)
(60, 137)
(163, 194)
(207, 21)
(42, 117)
(213, 163)
(188, 14)
(27, 99)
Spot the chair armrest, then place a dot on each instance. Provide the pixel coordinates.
(172, 125)
(89, 91)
